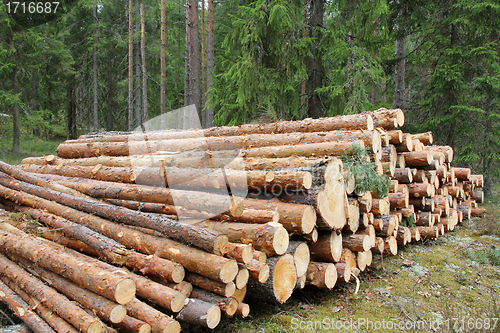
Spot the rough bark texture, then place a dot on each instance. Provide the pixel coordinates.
(55, 301)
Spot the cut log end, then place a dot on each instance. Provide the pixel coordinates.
(301, 258)
(117, 314)
(177, 302)
(125, 291)
(173, 327)
(284, 278)
(307, 180)
(242, 278)
(228, 271)
(178, 274)
(264, 274)
(221, 245)
(95, 327)
(308, 220)
(243, 310)
(280, 240)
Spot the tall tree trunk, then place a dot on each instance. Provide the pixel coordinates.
(95, 105)
(130, 114)
(315, 70)
(138, 84)
(163, 66)
(400, 68)
(109, 97)
(179, 71)
(71, 97)
(34, 96)
(203, 66)
(144, 73)
(192, 72)
(210, 61)
(15, 110)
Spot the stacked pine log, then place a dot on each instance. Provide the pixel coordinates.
(188, 221)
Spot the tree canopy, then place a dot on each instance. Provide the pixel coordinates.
(64, 73)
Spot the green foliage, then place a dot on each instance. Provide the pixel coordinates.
(266, 73)
(408, 222)
(357, 161)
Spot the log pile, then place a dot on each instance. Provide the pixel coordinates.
(136, 232)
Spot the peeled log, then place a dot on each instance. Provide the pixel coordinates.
(22, 310)
(321, 275)
(201, 313)
(52, 299)
(328, 247)
(281, 283)
(102, 282)
(270, 238)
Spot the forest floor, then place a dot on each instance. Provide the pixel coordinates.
(448, 285)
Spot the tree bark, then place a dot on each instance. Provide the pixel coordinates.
(315, 65)
(145, 116)
(271, 238)
(198, 312)
(71, 107)
(192, 71)
(57, 323)
(101, 306)
(16, 132)
(130, 107)
(227, 304)
(52, 299)
(22, 310)
(281, 283)
(328, 247)
(321, 275)
(210, 62)
(200, 237)
(110, 93)
(219, 288)
(105, 283)
(217, 268)
(163, 121)
(159, 321)
(95, 105)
